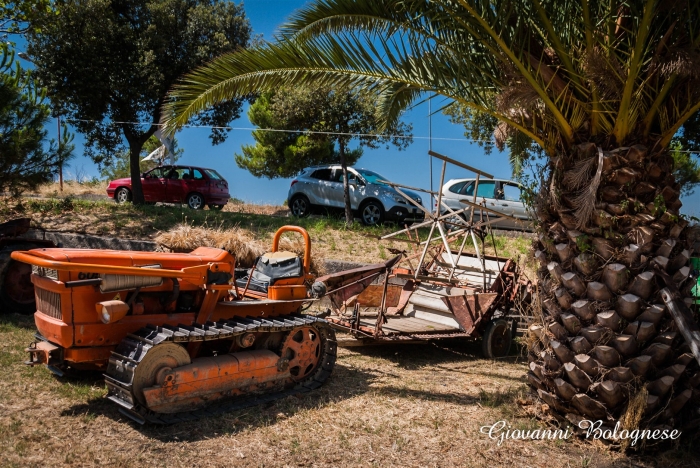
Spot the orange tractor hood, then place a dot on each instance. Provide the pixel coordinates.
(200, 256)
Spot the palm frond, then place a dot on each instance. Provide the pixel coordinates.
(564, 71)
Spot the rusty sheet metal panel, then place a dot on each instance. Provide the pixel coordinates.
(343, 286)
(470, 310)
(372, 296)
(404, 297)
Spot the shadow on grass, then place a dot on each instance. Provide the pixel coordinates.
(345, 383)
(436, 353)
(18, 320)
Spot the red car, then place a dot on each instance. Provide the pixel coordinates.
(195, 186)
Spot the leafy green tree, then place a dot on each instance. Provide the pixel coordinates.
(25, 162)
(284, 153)
(685, 150)
(602, 88)
(17, 16)
(119, 166)
(108, 64)
(332, 116)
(686, 168)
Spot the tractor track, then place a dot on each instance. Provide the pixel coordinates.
(131, 351)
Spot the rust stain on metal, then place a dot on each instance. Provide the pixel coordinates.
(470, 309)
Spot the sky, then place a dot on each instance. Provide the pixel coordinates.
(410, 167)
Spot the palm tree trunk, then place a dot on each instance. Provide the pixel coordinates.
(604, 346)
(346, 186)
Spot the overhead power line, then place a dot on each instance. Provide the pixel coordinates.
(372, 135)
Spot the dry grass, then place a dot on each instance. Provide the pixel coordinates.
(74, 189)
(384, 406)
(242, 243)
(330, 237)
(251, 208)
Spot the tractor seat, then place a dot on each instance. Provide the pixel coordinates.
(269, 268)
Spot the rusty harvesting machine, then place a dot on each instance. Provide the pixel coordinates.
(440, 290)
(177, 333)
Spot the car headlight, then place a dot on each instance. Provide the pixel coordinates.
(399, 199)
(419, 200)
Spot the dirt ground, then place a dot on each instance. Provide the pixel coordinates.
(383, 406)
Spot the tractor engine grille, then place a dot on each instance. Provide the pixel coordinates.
(45, 272)
(49, 303)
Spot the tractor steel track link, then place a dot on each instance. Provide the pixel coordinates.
(131, 351)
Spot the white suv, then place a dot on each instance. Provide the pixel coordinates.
(498, 194)
(371, 200)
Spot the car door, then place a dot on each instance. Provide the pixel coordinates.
(153, 184)
(511, 203)
(336, 195)
(316, 189)
(176, 182)
(357, 189)
(452, 193)
(198, 183)
(485, 194)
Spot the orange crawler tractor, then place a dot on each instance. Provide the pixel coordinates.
(176, 333)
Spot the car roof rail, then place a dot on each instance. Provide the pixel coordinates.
(314, 167)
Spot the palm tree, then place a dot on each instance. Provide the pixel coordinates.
(601, 86)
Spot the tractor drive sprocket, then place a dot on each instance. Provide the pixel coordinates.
(308, 351)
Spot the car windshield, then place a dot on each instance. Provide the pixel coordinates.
(371, 177)
(213, 174)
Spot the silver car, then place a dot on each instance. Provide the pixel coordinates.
(498, 194)
(370, 199)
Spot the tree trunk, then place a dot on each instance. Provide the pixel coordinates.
(616, 305)
(135, 169)
(136, 142)
(346, 185)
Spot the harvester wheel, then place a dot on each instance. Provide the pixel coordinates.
(16, 288)
(497, 339)
(157, 361)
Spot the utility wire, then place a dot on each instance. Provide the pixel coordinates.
(290, 131)
(313, 132)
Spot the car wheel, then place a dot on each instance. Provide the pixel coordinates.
(195, 201)
(453, 223)
(216, 207)
(122, 195)
(300, 206)
(372, 213)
